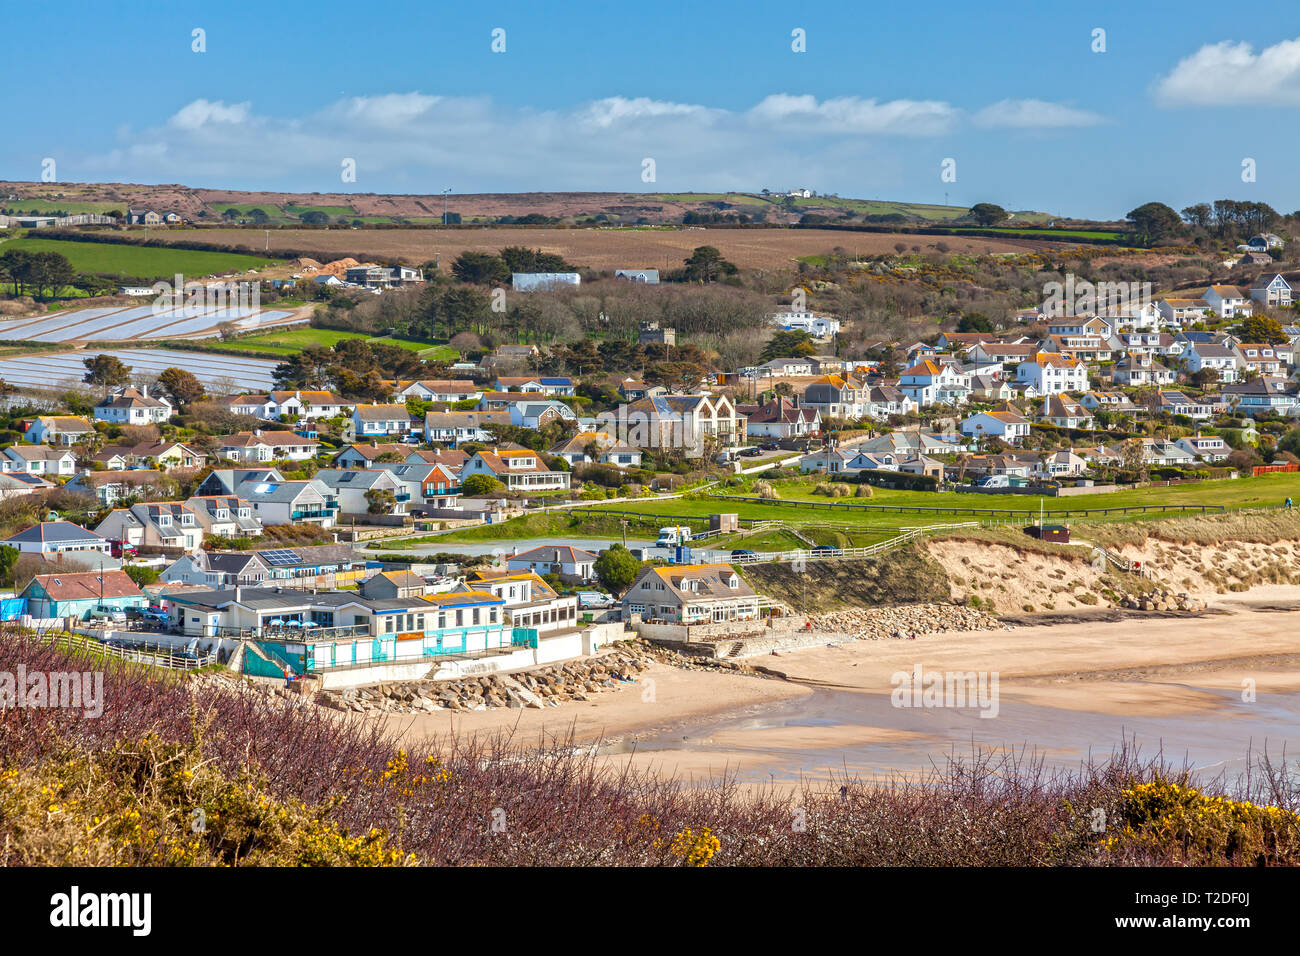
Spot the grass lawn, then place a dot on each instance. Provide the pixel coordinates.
(1264, 491)
(150, 262)
(853, 528)
(292, 341)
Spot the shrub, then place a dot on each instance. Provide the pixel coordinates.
(833, 489)
(764, 489)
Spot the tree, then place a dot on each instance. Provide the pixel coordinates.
(987, 214)
(1198, 215)
(975, 322)
(181, 385)
(106, 370)
(1154, 221)
(479, 486)
(1132, 459)
(141, 574)
(1290, 442)
(707, 265)
(788, 343)
(315, 218)
(480, 268)
(1261, 328)
(8, 558)
(616, 568)
(380, 501)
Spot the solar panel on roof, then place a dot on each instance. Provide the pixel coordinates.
(281, 556)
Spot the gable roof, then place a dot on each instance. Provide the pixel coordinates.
(86, 585)
(55, 532)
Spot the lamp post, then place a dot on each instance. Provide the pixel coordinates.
(444, 204)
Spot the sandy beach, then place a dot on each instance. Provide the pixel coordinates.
(1208, 686)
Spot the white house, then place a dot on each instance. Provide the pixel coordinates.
(1228, 301)
(519, 469)
(38, 460)
(554, 559)
(368, 420)
(133, 406)
(1209, 448)
(1221, 358)
(1275, 292)
(1178, 311)
(816, 325)
(1050, 373)
(929, 383)
(1006, 425)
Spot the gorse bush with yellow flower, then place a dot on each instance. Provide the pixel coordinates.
(182, 772)
(1207, 830)
(151, 803)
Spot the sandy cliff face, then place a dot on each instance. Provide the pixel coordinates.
(1008, 579)
(1220, 567)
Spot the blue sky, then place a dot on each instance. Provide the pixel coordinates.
(712, 92)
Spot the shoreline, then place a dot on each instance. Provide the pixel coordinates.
(1057, 678)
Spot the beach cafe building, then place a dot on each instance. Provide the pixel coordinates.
(324, 633)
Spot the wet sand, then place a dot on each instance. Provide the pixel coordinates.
(1206, 689)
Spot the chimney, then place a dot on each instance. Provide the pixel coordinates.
(238, 592)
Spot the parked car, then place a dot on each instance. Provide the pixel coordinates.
(155, 617)
(418, 513)
(826, 551)
(740, 553)
(107, 615)
(770, 446)
(593, 600)
(751, 452)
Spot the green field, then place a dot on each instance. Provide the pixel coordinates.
(244, 209)
(855, 527)
(328, 210)
(44, 207)
(145, 262)
(291, 341)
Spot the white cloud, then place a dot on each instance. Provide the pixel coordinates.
(202, 113)
(388, 110)
(411, 141)
(620, 110)
(1033, 114)
(1227, 74)
(851, 114)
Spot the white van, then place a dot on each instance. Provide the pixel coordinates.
(673, 535)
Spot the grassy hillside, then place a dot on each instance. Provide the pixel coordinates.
(146, 262)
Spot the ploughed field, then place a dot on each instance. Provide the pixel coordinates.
(590, 248)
